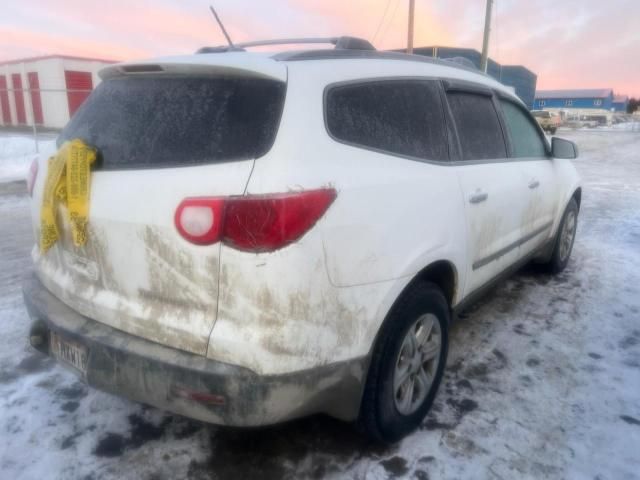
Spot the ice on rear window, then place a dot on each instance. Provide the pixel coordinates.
(156, 121)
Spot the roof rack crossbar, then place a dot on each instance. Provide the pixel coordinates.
(288, 41)
(340, 43)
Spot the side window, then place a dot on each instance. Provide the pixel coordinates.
(478, 126)
(525, 137)
(398, 116)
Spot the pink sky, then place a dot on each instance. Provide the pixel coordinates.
(567, 43)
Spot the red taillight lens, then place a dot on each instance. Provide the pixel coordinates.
(268, 222)
(200, 220)
(32, 176)
(253, 223)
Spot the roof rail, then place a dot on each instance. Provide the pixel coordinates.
(341, 43)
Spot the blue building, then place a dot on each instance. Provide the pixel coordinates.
(620, 103)
(593, 99)
(520, 78)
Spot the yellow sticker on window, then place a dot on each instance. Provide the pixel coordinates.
(68, 181)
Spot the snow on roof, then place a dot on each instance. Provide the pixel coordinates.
(585, 93)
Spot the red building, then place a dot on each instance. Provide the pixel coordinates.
(46, 90)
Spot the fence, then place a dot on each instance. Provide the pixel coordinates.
(38, 110)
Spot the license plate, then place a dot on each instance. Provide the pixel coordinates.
(68, 352)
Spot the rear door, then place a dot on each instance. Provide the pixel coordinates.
(160, 138)
(491, 184)
(528, 148)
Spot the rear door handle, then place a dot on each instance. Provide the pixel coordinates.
(534, 184)
(478, 196)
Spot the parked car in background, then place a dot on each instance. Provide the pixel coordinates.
(548, 121)
(593, 121)
(278, 235)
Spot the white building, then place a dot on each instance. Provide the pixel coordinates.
(47, 90)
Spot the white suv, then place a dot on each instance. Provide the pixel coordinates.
(277, 235)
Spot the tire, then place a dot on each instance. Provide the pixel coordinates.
(387, 414)
(563, 244)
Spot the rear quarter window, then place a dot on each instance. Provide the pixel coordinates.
(403, 117)
(478, 126)
(161, 121)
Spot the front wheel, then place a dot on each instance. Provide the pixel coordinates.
(407, 364)
(564, 239)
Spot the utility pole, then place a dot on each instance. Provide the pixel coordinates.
(410, 29)
(485, 39)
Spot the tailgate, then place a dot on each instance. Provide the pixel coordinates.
(159, 140)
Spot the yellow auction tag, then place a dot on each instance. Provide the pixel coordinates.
(68, 181)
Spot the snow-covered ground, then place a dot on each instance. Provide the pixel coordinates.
(543, 379)
(17, 151)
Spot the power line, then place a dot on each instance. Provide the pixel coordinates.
(386, 8)
(393, 16)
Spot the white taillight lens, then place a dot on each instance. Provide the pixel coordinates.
(32, 176)
(197, 221)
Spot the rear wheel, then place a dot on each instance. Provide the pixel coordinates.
(407, 364)
(564, 239)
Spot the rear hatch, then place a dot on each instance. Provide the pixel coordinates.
(163, 133)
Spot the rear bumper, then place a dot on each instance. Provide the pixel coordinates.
(189, 384)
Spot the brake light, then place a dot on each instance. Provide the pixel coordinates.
(252, 223)
(32, 175)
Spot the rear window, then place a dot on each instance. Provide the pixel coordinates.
(402, 117)
(138, 122)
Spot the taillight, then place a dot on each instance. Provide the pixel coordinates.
(199, 220)
(32, 175)
(253, 223)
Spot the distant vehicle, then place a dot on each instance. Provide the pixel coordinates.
(548, 121)
(278, 235)
(588, 122)
(592, 121)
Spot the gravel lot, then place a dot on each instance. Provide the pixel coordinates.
(543, 378)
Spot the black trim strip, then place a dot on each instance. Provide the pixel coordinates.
(451, 85)
(486, 260)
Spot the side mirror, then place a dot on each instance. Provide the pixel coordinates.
(561, 148)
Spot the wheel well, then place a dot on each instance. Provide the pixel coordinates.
(578, 196)
(443, 274)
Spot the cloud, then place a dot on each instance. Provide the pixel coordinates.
(569, 44)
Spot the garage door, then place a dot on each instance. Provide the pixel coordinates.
(79, 86)
(4, 101)
(34, 88)
(18, 96)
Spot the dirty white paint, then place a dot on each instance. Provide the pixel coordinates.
(147, 280)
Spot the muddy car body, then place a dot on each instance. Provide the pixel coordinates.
(266, 229)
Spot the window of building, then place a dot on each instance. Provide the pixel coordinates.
(597, 102)
(478, 126)
(402, 117)
(568, 103)
(542, 103)
(525, 137)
